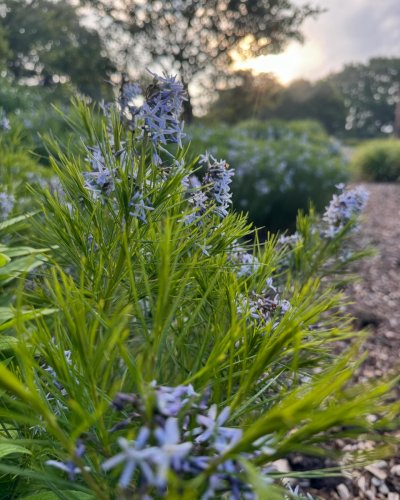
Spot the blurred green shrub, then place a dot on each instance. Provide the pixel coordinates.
(18, 170)
(280, 167)
(378, 160)
(33, 110)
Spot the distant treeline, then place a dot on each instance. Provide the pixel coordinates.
(358, 101)
(64, 48)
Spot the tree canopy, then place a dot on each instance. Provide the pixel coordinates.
(263, 97)
(250, 97)
(320, 101)
(193, 37)
(44, 42)
(371, 93)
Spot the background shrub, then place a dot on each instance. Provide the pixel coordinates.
(279, 167)
(35, 111)
(378, 160)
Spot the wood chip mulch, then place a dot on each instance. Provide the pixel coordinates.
(375, 306)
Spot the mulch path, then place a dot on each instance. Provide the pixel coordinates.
(376, 295)
(375, 305)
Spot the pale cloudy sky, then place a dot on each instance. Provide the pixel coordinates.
(350, 31)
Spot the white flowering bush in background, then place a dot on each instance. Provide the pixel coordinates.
(164, 355)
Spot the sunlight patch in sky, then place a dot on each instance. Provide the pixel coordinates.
(350, 31)
(295, 61)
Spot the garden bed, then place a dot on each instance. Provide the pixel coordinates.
(375, 304)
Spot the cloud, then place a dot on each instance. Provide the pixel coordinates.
(349, 31)
(353, 31)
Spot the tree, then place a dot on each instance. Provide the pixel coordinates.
(371, 92)
(195, 37)
(397, 119)
(263, 97)
(320, 101)
(47, 44)
(4, 50)
(251, 97)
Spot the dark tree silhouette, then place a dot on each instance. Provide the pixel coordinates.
(320, 101)
(371, 93)
(47, 44)
(250, 96)
(192, 37)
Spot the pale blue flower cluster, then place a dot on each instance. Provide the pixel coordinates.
(140, 206)
(7, 202)
(290, 240)
(4, 121)
(218, 179)
(198, 200)
(343, 208)
(244, 264)
(184, 436)
(69, 466)
(162, 109)
(213, 193)
(157, 110)
(297, 493)
(100, 181)
(265, 306)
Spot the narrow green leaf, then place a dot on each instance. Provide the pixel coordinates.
(49, 495)
(11, 222)
(7, 342)
(4, 259)
(10, 448)
(8, 316)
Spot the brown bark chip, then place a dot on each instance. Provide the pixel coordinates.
(375, 298)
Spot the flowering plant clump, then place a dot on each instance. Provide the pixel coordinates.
(156, 111)
(185, 435)
(7, 202)
(244, 263)
(343, 207)
(4, 121)
(279, 167)
(324, 246)
(148, 277)
(264, 305)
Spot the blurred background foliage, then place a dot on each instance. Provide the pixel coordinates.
(280, 167)
(288, 143)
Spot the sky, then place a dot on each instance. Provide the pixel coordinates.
(350, 31)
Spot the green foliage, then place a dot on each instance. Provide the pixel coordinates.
(321, 101)
(4, 50)
(15, 262)
(378, 160)
(261, 97)
(196, 39)
(129, 298)
(18, 172)
(35, 111)
(18, 168)
(371, 92)
(47, 45)
(279, 167)
(251, 97)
